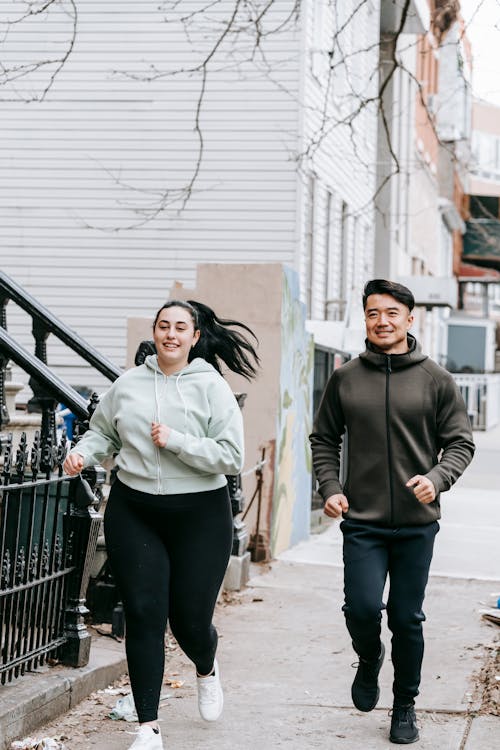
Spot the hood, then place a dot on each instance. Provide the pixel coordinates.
(376, 358)
(198, 364)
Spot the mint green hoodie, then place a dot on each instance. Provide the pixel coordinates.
(206, 438)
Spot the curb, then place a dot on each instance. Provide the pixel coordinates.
(40, 697)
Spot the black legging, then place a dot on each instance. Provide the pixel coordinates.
(168, 554)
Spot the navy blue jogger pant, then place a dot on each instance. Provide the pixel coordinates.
(371, 553)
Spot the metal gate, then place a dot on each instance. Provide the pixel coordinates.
(48, 534)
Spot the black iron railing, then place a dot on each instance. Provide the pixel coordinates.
(48, 389)
(49, 523)
(49, 526)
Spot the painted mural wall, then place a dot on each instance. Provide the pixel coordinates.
(278, 409)
(290, 522)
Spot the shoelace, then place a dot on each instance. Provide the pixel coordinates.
(368, 666)
(138, 733)
(209, 691)
(403, 714)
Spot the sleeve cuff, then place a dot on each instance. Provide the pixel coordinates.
(435, 476)
(87, 460)
(329, 489)
(175, 442)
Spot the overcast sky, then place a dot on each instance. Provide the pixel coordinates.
(483, 30)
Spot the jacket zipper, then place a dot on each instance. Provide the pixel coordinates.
(387, 419)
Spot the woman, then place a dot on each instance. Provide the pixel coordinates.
(176, 430)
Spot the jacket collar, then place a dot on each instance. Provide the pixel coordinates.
(380, 360)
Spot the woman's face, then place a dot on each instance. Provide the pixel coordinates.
(174, 336)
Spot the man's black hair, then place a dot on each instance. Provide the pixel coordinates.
(382, 286)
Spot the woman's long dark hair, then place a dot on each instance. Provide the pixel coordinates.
(217, 341)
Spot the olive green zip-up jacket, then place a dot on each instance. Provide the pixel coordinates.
(403, 415)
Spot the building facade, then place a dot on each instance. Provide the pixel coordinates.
(480, 272)
(423, 149)
(141, 142)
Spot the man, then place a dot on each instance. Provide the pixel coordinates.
(409, 438)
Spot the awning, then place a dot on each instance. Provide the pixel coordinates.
(482, 243)
(470, 272)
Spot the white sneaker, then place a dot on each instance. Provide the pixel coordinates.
(210, 695)
(147, 739)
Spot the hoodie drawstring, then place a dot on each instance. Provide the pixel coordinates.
(157, 416)
(158, 398)
(157, 419)
(179, 391)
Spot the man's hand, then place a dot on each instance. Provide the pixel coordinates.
(336, 505)
(159, 434)
(73, 464)
(424, 490)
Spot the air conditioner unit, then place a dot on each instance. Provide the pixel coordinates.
(432, 291)
(471, 344)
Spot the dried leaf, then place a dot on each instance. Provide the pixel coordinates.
(174, 683)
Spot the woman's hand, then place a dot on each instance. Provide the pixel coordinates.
(73, 464)
(159, 434)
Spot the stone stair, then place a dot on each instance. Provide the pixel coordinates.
(19, 419)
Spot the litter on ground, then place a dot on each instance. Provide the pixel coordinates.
(46, 743)
(124, 708)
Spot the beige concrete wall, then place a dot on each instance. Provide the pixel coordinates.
(486, 117)
(252, 294)
(478, 186)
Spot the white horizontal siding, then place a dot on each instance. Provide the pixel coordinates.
(97, 154)
(343, 159)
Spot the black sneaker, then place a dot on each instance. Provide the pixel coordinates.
(365, 691)
(404, 729)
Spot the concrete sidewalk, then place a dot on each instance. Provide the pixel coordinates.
(468, 544)
(39, 697)
(286, 666)
(286, 659)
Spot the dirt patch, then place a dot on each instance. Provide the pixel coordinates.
(488, 682)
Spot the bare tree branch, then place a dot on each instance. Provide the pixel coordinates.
(10, 74)
(238, 38)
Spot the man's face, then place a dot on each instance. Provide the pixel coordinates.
(387, 323)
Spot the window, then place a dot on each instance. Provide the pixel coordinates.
(344, 259)
(310, 241)
(446, 251)
(329, 250)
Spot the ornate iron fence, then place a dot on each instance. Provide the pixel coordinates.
(49, 526)
(49, 523)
